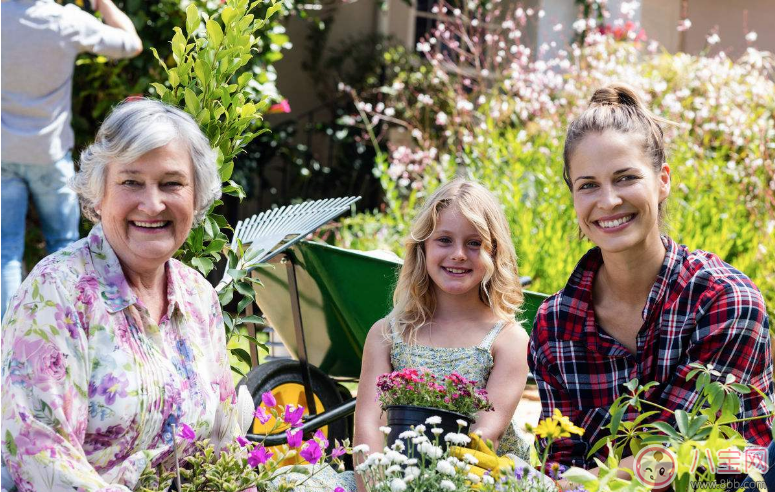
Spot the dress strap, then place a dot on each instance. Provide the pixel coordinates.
(395, 338)
(488, 340)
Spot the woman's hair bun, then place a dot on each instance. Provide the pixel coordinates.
(616, 95)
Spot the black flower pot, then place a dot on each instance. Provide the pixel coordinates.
(402, 418)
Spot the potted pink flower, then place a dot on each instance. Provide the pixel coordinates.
(415, 397)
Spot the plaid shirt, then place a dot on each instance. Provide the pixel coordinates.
(700, 309)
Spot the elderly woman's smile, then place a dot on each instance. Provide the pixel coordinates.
(148, 206)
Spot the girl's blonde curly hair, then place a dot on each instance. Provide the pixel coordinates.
(414, 300)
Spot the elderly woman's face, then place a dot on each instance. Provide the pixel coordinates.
(148, 207)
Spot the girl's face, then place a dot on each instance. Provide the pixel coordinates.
(453, 254)
(616, 191)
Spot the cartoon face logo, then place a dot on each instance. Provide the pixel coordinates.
(655, 466)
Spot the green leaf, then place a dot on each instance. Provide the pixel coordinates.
(238, 371)
(216, 245)
(273, 10)
(245, 302)
(242, 355)
(233, 259)
(682, 419)
(243, 79)
(192, 103)
(245, 288)
(179, 45)
(160, 89)
(203, 117)
(214, 33)
(740, 388)
(156, 55)
(204, 265)
(192, 18)
(226, 171)
(580, 476)
(228, 14)
(253, 318)
(172, 73)
(667, 429)
(226, 295)
(203, 71)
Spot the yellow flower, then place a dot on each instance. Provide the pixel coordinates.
(556, 426)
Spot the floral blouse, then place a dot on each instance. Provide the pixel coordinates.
(92, 385)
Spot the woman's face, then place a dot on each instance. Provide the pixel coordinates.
(148, 206)
(453, 254)
(616, 191)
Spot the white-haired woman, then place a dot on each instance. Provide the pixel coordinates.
(111, 343)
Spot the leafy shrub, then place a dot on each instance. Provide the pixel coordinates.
(504, 122)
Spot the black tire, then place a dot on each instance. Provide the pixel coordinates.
(272, 374)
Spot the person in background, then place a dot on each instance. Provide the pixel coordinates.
(40, 42)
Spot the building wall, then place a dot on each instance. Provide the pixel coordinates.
(733, 19)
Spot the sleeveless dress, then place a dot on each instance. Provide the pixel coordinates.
(474, 363)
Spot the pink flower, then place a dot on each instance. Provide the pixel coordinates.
(321, 438)
(293, 415)
(311, 451)
(339, 489)
(337, 452)
(282, 107)
(186, 432)
(259, 456)
(262, 415)
(268, 399)
(242, 441)
(294, 438)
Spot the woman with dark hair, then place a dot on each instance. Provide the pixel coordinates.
(639, 305)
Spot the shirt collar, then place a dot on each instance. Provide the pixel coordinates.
(578, 290)
(114, 287)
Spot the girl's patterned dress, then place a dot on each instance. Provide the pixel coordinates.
(474, 363)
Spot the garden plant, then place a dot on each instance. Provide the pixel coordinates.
(478, 101)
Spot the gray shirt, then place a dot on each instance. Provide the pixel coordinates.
(40, 41)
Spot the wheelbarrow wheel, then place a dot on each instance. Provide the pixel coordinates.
(283, 379)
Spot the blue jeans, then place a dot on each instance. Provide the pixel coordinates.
(57, 206)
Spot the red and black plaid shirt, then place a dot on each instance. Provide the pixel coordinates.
(700, 309)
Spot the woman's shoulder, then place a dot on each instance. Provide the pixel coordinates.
(66, 265)
(706, 271)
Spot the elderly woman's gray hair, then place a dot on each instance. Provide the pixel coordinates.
(133, 129)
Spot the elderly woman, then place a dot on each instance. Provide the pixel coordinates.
(110, 343)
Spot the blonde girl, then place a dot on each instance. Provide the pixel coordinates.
(454, 307)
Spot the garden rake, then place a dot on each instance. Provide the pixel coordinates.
(271, 232)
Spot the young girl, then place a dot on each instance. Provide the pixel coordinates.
(638, 305)
(454, 307)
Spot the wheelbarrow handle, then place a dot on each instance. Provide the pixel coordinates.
(316, 422)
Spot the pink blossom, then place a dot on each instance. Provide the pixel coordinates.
(294, 438)
(259, 456)
(262, 415)
(293, 415)
(282, 107)
(311, 451)
(269, 399)
(242, 441)
(321, 438)
(338, 451)
(186, 432)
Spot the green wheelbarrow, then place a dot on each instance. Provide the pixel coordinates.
(321, 301)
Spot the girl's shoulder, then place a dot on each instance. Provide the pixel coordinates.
(511, 335)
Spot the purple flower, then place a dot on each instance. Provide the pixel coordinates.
(293, 416)
(337, 451)
(321, 438)
(110, 386)
(268, 399)
(311, 451)
(262, 415)
(294, 438)
(186, 432)
(339, 489)
(259, 456)
(66, 319)
(242, 441)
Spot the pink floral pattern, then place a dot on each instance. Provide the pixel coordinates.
(91, 383)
